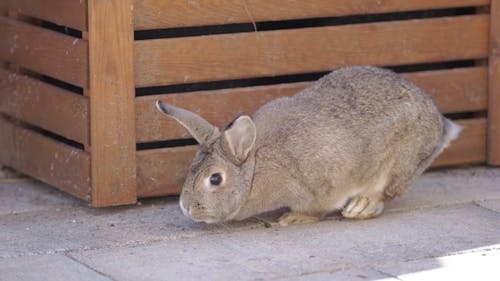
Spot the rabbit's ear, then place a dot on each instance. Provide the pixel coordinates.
(198, 127)
(239, 138)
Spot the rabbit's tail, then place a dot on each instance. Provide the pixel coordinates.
(451, 130)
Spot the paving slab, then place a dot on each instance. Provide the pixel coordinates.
(481, 265)
(63, 229)
(37, 219)
(49, 267)
(329, 246)
(30, 196)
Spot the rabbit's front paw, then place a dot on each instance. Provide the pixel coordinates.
(296, 218)
(362, 207)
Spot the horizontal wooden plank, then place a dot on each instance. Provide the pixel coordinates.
(70, 13)
(279, 52)
(154, 14)
(44, 51)
(469, 148)
(3, 8)
(45, 106)
(62, 166)
(163, 171)
(455, 90)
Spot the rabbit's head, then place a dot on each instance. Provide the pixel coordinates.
(220, 176)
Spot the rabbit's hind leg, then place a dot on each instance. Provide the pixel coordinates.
(368, 203)
(363, 207)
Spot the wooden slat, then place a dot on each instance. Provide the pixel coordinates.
(455, 90)
(3, 8)
(162, 171)
(153, 14)
(62, 166)
(44, 51)
(469, 148)
(70, 13)
(494, 87)
(112, 97)
(269, 53)
(44, 105)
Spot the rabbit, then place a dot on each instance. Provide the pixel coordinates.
(352, 140)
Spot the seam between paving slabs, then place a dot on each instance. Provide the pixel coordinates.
(478, 204)
(89, 267)
(332, 271)
(387, 274)
(475, 251)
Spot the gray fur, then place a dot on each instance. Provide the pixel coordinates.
(355, 138)
(198, 127)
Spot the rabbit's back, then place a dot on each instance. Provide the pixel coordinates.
(353, 94)
(347, 124)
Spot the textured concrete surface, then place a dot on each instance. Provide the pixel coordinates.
(493, 205)
(50, 267)
(299, 250)
(450, 219)
(23, 196)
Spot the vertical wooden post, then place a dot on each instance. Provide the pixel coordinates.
(494, 86)
(112, 96)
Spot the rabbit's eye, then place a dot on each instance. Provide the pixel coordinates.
(216, 179)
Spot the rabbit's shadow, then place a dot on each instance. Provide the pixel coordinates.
(264, 220)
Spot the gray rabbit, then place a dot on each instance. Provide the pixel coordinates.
(353, 139)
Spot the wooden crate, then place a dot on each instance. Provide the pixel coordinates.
(78, 78)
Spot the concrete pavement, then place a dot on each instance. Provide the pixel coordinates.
(447, 227)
